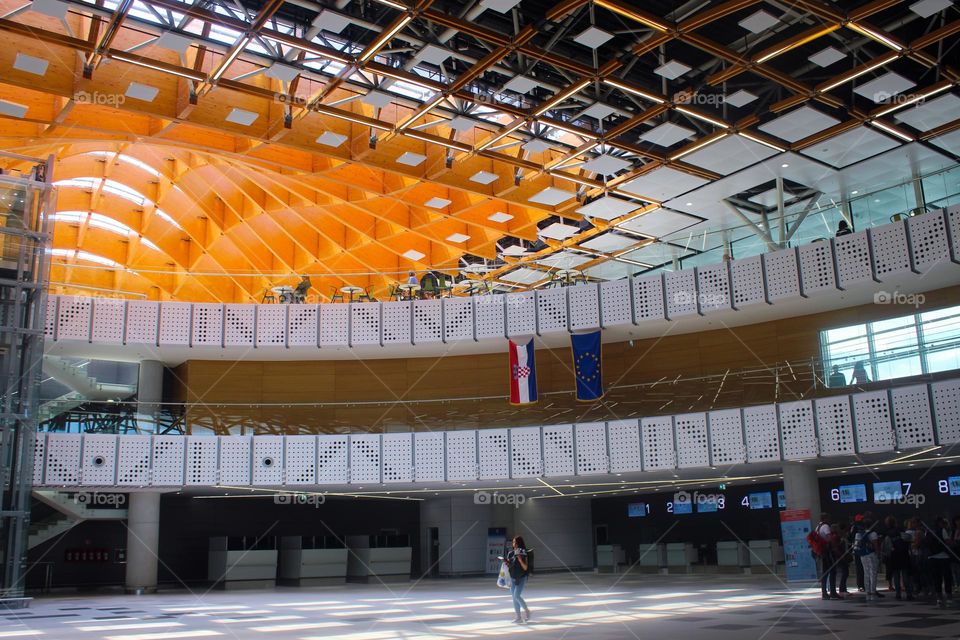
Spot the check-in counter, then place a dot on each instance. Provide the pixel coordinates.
(653, 556)
(233, 568)
(308, 566)
(732, 554)
(680, 555)
(765, 553)
(386, 564)
(610, 557)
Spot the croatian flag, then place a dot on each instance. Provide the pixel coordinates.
(523, 373)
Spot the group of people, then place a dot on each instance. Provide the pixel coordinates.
(859, 375)
(919, 557)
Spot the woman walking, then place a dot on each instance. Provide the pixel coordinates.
(517, 564)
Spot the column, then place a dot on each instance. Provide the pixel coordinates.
(143, 541)
(802, 488)
(149, 387)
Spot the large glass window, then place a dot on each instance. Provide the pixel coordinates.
(905, 346)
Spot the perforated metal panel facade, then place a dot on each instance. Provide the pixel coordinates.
(912, 421)
(584, 301)
(39, 457)
(457, 319)
(302, 325)
(526, 457)
(133, 461)
(681, 293)
(929, 244)
(333, 460)
(50, 318)
(871, 413)
(63, 459)
(551, 310)
(746, 276)
(334, 325)
(946, 408)
(713, 287)
(494, 453)
(239, 324)
(236, 460)
(953, 227)
(99, 460)
(891, 255)
(853, 259)
(691, 438)
(726, 437)
(616, 306)
(272, 325)
(558, 450)
(816, 268)
(364, 458)
(658, 447)
(428, 461)
(521, 309)
(167, 464)
(142, 323)
(202, 463)
(109, 316)
(268, 460)
(834, 425)
(207, 325)
(427, 321)
(625, 451)
(648, 302)
(364, 323)
(782, 274)
(73, 318)
(397, 322)
(397, 457)
(591, 441)
(300, 460)
(798, 436)
(762, 433)
(461, 455)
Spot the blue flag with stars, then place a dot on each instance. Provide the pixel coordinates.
(586, 365)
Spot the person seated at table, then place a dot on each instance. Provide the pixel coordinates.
(412, 278)
(843, 229)
(429, 286)
(300, 293)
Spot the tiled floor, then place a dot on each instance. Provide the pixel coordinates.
(567, 606)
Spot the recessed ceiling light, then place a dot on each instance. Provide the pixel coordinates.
(30, 64)
(785, 165)
(242, 117)
(484, 177)
(437, 203)
(689, 204)
(500, 216)
(143, 92)
(672, 70)
(411, 159)
(854, 192)
(331, 139)
(551, 196)
(457, 237)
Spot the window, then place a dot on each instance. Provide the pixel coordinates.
(898, 347)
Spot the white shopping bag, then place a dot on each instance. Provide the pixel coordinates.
(503, 580)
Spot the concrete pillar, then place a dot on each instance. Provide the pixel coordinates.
(149, 387)
(801, 488)
(143, 541)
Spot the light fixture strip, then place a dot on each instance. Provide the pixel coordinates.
(699, 145)
(450, 145)
(913, 100)
(503, 134)
(701, 116)
(385, 38)
(638, 92)
(422, 111)
(879, 37)
(627, 12)
(852, 75)
(760, 141)
(143, 63)
(891, 131)
(559, 98)
(344, 116)
(232, 55)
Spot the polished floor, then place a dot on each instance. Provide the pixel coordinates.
(567, 606)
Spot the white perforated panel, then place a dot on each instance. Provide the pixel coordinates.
(396, 322)
(929, 244)
(174, 323)
(871, 413)
(268, 460)
(648, 301)
(781, 274)
(834, 425)
(490, 314)
(461, 450)
(50, 318)
(692, 444)
(300, 460)
(332, 460)
(302, 323)
(890, 253)
(202, 463)
(397, 457)
(797, 433)
(853, 259)
(272, 325)
(73, 318)
(591, 443)
(235, 460)
(746, 274)
(526, 459)
(713, 287)
(207, 325)
(39, 457)
(953, 226)
(762, 432)
(816, 268)
(99, 459)
(726, 437)
(364, 458)
(493, 452)
(551, 310)
(616, 307)
(427, 321)
(133, 461)
(168, 461)
(658, 446)
(584, 301)
(946, 409)
(521, 314)
(625, 451)
(108, 319)
(364, 323)
(911, 416)
(558, 450)
(143, 322)
(334, 325)
(681, 293)
(428, 456)
(457, 319)
(238, 324)
(63, 459)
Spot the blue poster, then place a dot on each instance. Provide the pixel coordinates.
(794, 527)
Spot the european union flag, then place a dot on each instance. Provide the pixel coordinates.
(586, 365)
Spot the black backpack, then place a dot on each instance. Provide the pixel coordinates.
(529, 561)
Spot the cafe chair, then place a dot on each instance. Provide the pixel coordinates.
(336, 296)
(268, 296)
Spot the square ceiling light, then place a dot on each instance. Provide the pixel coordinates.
(608, 208)
(851, 146)
(558, 231)
(659, 223)
(282, 72)
(593, 37)
(662, 184)
(331, 139)
(565, 260)
(672, 70)
(484, 177)
(411, 159)
(524, 275)
(926, 8)
(143, 92)
(612, 270)
(377, 99)
(729, 154)
(432, 54)
(514, 250)
(413, 254)
(758, 22)
(537, 145)
(173, 42)
(827, 57)
(930, 115)
(598, 111)
(13, 109)
(500, 6)
(521, 84)
(52, 8)
(461, 124)
(799, 124)
(949, 142)
(242, 117)
(740, 98)
(667, 134)
(609, 242)
(606, 165)
(437, 203)
(499, 216)
(457, 237)
(887, 86)
(656, 253)
(30, 64)
(331, 21)
(551, 196)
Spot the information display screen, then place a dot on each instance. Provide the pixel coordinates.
(886, 492)
(781, 499)
(683, 507)
(637, 509)
(706, 506)
(853, 493)
(761, 500)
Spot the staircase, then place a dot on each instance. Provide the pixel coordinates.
(70, 513)
(84, 388)
(53, 408)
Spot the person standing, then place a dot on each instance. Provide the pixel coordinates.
(859, 374)
(868, 550)
(852, 536)
(517, 564)
(827, 569)
(842, 555)
(938, 557)
(898, 564)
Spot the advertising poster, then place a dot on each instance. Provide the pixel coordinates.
(794, 527)
(496, 539)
